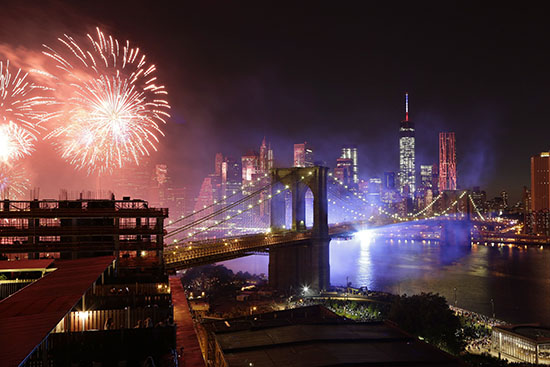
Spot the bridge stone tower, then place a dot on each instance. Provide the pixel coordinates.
(298, 180)
(293, 268)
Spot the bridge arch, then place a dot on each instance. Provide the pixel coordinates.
(298, 180)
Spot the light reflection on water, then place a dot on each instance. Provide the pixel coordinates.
(518, 280)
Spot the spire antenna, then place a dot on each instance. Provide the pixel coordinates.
(406, 106)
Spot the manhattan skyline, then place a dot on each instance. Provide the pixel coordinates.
(238, 75)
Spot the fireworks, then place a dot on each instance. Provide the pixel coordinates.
(15, 143)
(21, 111)
(13, 181)
(114, 108)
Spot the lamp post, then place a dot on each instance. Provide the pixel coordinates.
(455, 296)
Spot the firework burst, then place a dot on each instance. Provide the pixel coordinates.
(13, 182)
(15, 143)
(115, 107)
(22, 109)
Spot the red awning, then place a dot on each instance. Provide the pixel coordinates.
(18, 265)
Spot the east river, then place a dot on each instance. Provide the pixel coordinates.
(514, 282)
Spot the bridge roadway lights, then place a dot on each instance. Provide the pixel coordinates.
(293, 267)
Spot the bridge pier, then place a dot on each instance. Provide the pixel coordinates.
(294, 267)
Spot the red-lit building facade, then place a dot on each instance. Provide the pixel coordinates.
(540, 192)
(447, 161)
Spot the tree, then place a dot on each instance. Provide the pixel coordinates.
(428, 316)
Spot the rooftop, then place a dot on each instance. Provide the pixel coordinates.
(534, 332)
(25, 265)
(28, 316)
(319, 338)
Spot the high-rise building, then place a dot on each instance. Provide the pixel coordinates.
(426, 174)
(160, 182)
(435, 177)
(447, 161)
(527, 211)
(504, 196)
(389, 181)
(206, 195)
(479, 197)
(266, 157)
(177, 202)
(218, 164)
(250, 163)
(133, 180)
(374, 190)
(540, 181)
(540, 192)
(231, 171)
(350, 152)
(407, 171)
(303, 155)
(344, 170)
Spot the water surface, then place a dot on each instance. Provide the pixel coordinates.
(516, 279)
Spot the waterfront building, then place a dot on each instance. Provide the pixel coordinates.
(522, 343)
(350, 152)
(527, 211)
(303, 155)
(447, 161)
(407, 171)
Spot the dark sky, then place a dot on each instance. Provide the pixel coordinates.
(332, 73)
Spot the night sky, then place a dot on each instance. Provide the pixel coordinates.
(330, 73)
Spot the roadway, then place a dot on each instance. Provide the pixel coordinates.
(188, 254)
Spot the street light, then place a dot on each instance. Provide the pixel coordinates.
(455, 295)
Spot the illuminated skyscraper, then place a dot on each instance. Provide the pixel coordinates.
(350, 152)
(447, 162)
(426, 173)
(266, 157)
(303, 155)
(407, 170)
(250, 163)
(540, 192)
(218, 164)
(540, 181)
(389, 181)
(344, 170)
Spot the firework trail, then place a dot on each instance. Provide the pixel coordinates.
(114, 107)
(22, 109)
(13, 182)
